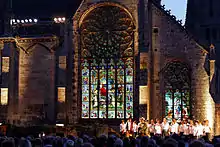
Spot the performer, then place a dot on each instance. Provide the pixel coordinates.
(191, 128)
(200, 130)
(207, 130)
(186, 130)
(129, 127)
(181, 128)
(158, 128)
(142, 128)
(195, 130)
(122, 128)
(174, 127)
(165, 128)
(151, 127)
(135, 128)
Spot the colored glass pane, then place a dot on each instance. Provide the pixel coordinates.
(85, 89)
(129, 87)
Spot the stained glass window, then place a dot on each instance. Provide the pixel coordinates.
(177, 94)
(107, 63)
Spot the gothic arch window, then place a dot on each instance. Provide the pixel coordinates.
(107, 63)
(177, 91)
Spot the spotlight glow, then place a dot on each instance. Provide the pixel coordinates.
(18, 21)
(35, 20)
(30, 20)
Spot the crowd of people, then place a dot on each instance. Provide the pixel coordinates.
(133, 134)
(187, 129)
(105, 141)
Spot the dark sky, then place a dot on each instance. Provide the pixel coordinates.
(45, 8)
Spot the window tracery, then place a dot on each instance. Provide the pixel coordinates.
(107, 63)
(177, 94)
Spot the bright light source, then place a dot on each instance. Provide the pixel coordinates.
(13, 20)
(18, 21)
(59, 19)
(26, 20)
(35, 20)
(60, 125)
(30, 20)
(22, 21)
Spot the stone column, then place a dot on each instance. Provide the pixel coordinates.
(156, 100)
(217, 119)
(36, 91)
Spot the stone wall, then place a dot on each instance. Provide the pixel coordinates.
(175, 44)
(36, 80)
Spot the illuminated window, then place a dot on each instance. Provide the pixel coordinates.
(61, 92)
(5, 64)
(107, 64)
(4, 96)
(177, 94)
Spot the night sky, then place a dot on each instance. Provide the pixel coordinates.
(45, 8)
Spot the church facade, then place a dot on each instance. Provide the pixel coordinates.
(116, 59)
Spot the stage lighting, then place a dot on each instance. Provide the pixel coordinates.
(13, 20)
(18, 21)
(22, 21)
(59, 19)
(35, 20)
(26, 20)
(30, 20)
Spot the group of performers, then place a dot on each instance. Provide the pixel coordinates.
(187, 128)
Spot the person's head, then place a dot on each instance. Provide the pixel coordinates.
(122, 121)
(8, 143)
(182, 122)
(207, 122)
(196, 143)
(152, 121)
(157, 120)
(164, 120)
(170, 142)
(191, 122)
(196, 123)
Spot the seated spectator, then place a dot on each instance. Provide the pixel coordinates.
(7, 143)
(196, 143)
(170, 142)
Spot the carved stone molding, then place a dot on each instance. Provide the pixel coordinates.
(26, 44)
(50, 43)
(5, 40)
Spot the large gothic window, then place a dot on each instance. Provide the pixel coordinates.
(177, 94)
(107, 63)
